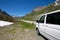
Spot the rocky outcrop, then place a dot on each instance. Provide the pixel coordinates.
(57, 2)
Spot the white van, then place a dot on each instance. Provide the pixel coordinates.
(49, 25)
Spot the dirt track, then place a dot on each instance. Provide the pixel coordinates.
(11, 33)
(29, 35)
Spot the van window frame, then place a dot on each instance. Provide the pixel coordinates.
(51, 23)
(41, 18)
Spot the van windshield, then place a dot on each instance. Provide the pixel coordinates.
(53, 18)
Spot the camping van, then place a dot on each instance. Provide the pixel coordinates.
(49, 25)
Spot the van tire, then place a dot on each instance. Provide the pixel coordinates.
(38, 31)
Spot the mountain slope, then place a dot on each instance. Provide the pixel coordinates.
(4, 16)
(35, 14)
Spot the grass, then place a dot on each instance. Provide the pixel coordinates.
(27, 25)
(15, 30)
(18, 26)
(12, 31)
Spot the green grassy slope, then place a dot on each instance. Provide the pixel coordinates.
(33, 15)
(4, 16)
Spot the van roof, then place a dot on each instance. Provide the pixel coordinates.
(51, 12)
(48, 13)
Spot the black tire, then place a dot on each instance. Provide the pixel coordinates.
(38, 31)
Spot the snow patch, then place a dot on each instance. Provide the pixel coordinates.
(5, 23)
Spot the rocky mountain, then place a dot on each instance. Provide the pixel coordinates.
(34, 15)
(4, 16)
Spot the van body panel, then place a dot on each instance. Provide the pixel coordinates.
(49, 37)
(51, 29)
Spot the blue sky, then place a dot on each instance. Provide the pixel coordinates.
(22, 7)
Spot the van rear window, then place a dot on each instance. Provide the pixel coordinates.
(53, 18)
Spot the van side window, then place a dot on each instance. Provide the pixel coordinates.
(53, 18)
(42, 19)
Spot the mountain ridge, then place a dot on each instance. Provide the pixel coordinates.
(6, 17)
(34, 15)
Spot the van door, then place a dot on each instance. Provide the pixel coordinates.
(52, 26)
(41, 23)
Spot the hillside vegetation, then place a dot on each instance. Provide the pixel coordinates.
(4, 16)
(35, 14)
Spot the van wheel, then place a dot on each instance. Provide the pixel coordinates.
(38, 31)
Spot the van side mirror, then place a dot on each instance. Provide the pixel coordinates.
(37, 21)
